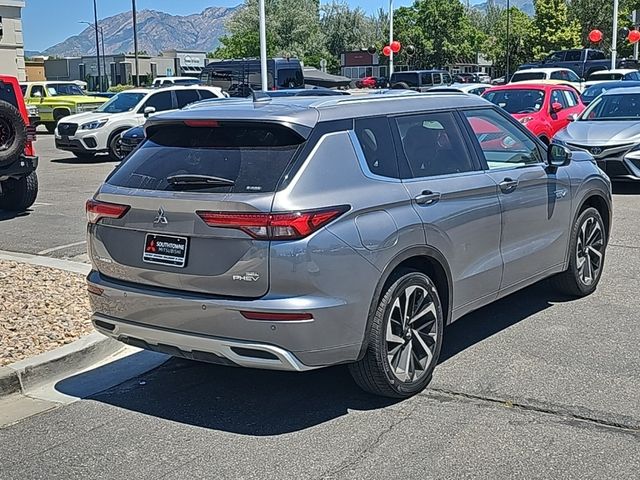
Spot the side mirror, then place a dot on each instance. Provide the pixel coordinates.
(149, 111)
(556, 107)
(573, 117)
(558, 156)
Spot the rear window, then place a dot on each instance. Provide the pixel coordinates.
(526, 76)
(245, 158)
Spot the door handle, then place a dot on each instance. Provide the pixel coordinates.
(427, 198)
(508, 185)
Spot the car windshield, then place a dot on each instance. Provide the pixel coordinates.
(622, 106)
(187, 81)
(604, 76)
(59, 89)
(122, 102)
(526, 76)
(517, 101)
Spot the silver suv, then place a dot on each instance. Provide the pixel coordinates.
(298, 233)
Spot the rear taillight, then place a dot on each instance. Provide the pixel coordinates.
(97, 210)
(274, 226)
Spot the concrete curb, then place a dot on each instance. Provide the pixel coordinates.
(39, 260)
(25, 375)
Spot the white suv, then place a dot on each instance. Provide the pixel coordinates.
(86, 134)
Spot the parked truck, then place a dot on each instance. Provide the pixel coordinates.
(582, 61)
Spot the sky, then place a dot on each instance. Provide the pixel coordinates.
(48, 22)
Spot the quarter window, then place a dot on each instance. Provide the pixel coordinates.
(433, 145)
(503, 144)
(185, 97)
(160, 101)
(374, 135)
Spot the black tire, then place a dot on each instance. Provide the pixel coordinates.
(115, 152)
(51, 127)
(571, 281)
(19, 194)
(375, 373)
(13, 133)
(400, 86)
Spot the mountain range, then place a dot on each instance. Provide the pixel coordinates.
(157, 32)
(160, 31)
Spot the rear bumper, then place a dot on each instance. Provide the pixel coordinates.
(21, 167)
(179, 322)
(200, 347)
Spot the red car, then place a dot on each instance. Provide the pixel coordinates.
(543, 108)
(367, 82)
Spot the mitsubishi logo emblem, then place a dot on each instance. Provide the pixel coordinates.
(161, 219)
(596, 150)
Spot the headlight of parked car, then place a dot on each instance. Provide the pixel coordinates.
(93, 125)
(32, 111)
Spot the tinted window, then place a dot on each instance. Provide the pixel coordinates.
(206, 94)
(290, 78)
(433, 145)
(595, 55)
(556, 57)
(254, 157)
(525, 76)
(557, 76)
(427, 79)
(185, 97)
(437, 78)
(411, 79)
(604, 75)
(517, 101)
(160, 101)
(24, 89)
(374, 135)
(503, 144)
(446, 78)
(573, 56)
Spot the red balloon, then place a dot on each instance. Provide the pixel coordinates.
(634, 36)
(595, 36)
(386, 51)
(395, 46)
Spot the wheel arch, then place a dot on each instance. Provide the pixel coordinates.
(596, 200)
(117, 131)
(66, 110)
(424, 259)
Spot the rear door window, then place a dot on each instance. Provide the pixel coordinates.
(290, 78)
(433, 145)
(185, 97)
(206, 94)
(374, 135)
(234, 157)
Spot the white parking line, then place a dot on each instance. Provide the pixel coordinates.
(61, 247)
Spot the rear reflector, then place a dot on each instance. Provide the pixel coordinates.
(274, 226)
(277, 317)
(97, 210)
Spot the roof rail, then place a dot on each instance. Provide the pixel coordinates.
(385, 95)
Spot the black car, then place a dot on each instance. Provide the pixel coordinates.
(594, 91)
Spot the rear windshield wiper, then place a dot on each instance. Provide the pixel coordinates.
(189, 180)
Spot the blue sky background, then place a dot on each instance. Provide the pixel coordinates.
(47, 22)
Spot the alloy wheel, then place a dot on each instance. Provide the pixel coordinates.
(589, 251)
(412, 333)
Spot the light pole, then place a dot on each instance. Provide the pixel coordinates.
(135, 42)
(104, 58)
(97, 53)
(506, 76)
(614, 37)
(95, 18)
(390, 36)
(263, 46)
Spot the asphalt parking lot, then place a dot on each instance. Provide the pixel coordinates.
(534, 386)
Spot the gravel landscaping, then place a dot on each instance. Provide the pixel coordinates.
(40, 309)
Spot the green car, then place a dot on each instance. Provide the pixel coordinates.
(56, 100)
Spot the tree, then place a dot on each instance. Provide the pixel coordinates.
(554, 30)
(293, 29)
(521, 39)
(440, 30)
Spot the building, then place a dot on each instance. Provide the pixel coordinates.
(360, 64)
(121, 69)
(11, 41)
(34, 68)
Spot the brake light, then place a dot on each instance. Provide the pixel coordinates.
(97, 210)
(202, 123)
(274, 226)
(277, 317)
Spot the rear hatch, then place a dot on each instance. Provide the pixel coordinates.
(175, 198)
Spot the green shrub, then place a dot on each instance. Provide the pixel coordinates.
(120, 88)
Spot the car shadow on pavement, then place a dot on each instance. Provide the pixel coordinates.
(85, 161)
(7, 215)
(261, 402)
